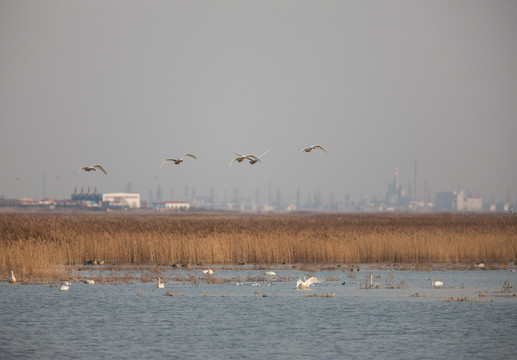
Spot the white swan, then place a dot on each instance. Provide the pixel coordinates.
(307, 282)
(209, 271)
(161, 284)
(254, 159)
(89, 282)
(376, 285)
(65, 286)
(270, 273)
(312, 147)
(92, 168)
(11, 279)
(178, 161)
(436, 284)
(240, 158)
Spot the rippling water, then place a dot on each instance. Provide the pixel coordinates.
(226, 321)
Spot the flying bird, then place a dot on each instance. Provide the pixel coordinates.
(312, 147)
(178, 161)
(240, 158)
(254, 159)
(92, 168)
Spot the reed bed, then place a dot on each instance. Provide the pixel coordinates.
(39, 245)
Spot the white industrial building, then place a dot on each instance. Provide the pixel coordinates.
(171, 205)
(125, 200)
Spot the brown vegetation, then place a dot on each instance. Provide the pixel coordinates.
(38, 245)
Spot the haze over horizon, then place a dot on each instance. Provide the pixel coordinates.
(127, 84)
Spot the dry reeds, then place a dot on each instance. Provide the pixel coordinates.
(38, 245)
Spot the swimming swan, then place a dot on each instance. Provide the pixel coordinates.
(436, 284)
(11, 279)
(161, 284)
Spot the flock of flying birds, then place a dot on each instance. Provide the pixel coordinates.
(253, 159)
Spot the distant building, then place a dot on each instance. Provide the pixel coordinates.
(473, 204)
(121, 200)
(171, 205)
(449, 201)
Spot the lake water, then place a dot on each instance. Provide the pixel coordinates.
(277, 321)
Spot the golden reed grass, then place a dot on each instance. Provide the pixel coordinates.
(39, 245)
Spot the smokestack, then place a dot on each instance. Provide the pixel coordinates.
(416, 180)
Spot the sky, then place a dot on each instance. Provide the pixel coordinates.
(379, 84)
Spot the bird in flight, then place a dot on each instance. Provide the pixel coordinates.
(254, 159)
(92, 168)
(178, 161)
(240, 158)
(310, 148)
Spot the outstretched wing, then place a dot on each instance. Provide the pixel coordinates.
(320, 147)
(164, 161)
(191, 155)
(81, 168)
(234, 159)
(100, 168)
(313, 280)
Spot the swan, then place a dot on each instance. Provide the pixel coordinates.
(208, 271)
(269, 273)
(178, 161)
(89, 282)
(161, 284)
(480, 265)
(376, 285)
(240, 158)
(305, 283)
(435, 283)
(92, 168)
(312, 147)
(254, 159)
(11, 279)
(65, 286)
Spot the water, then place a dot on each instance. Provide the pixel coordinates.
(226, 321)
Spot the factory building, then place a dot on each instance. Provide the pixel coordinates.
(121, 200)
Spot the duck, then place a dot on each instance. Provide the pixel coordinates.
(92, 168)
(11, 279)
(180, 160)
(436, 284)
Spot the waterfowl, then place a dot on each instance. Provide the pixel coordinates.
(92, 168)
(208, 271)
(254, 159)
(65, 286)
(435, 284)
(161, 284)
(305, 283)
(89, 282)
(240, 158)
(270, 273)
(376, 285)
(11, 279)
(312, 147)
(178, 161)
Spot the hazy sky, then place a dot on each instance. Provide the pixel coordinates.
(379, 84)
